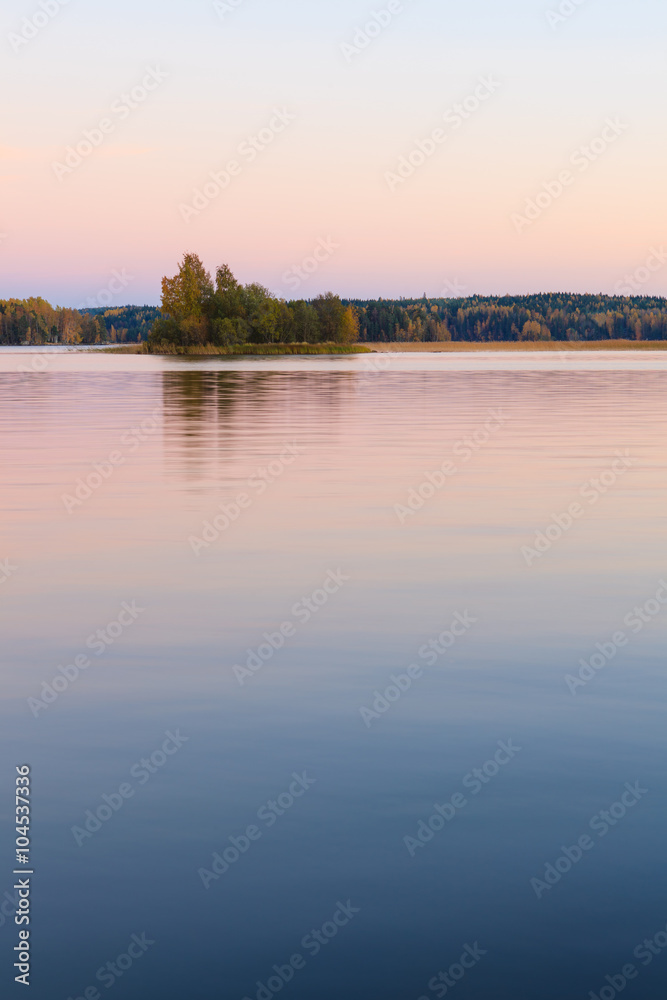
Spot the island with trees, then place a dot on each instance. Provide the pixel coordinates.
(225, 317)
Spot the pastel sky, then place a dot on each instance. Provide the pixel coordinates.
(224, 72)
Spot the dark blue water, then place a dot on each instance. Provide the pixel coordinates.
(278, 840)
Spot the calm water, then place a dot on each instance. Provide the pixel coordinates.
(308, 465)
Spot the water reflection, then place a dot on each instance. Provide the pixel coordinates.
(213, 419)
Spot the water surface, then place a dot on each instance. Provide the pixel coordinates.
(309, 466)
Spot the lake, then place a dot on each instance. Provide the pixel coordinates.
(337, 677)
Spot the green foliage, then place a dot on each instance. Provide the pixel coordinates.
(197, 312)
(330, 311)
(305, 323)
(187, 295)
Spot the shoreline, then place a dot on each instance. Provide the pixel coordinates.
(447, 347)
(460, 346)
(396, 347)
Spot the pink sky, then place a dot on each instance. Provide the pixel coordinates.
(412, 153)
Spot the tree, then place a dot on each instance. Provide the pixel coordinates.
(330, 311)
(88, 329)
(348, 332)
(225, 280)
(261, 313)
(305, 326)
(227, 332)
(532, 330)
(187, 294)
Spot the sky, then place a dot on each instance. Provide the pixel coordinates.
(385, 148)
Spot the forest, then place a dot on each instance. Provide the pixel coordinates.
(35, 321)
(560, 317)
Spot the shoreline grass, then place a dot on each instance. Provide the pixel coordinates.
(238, 350)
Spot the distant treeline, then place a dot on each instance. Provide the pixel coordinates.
(127, 324)
(35, 321)
(512, 318)
(195, 310)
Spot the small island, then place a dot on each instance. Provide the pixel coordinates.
(201, 317)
